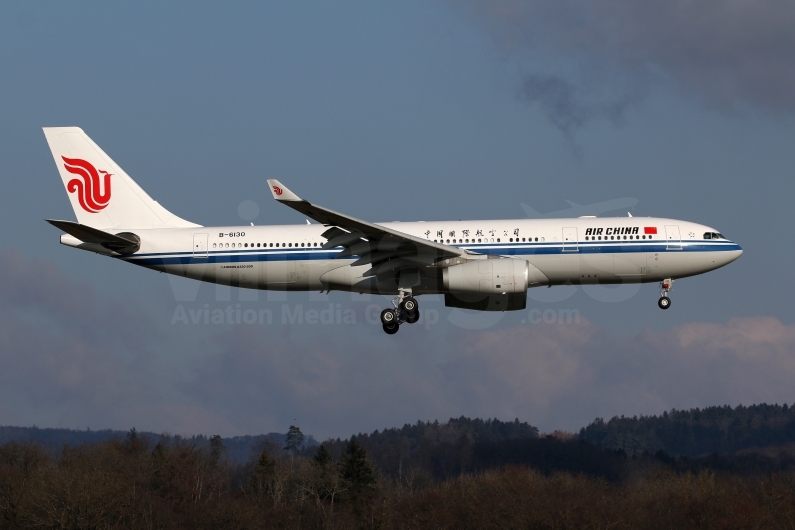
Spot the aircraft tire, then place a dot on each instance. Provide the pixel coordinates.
(409, 305)
(664, 302)
(389, 316)
(391, 329)
(411, 319)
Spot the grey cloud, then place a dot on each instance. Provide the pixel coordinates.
(58, 369)
(554, 376)
(72, 357)
(569, 106)
(594, 59)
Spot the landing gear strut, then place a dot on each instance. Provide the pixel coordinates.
(405, 309)
(666, 285)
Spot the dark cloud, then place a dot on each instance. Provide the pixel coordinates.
(594, 59)
(570, 105)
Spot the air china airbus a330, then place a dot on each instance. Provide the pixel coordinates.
(481, 265)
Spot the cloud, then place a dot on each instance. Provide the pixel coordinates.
(590, 60)
(71, 356)
(554, 376)
(565, 375)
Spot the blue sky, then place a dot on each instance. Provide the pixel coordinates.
(395, 111)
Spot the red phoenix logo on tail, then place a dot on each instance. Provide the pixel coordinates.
(277, 190)
(88, 189)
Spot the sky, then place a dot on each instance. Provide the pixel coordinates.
(395, 111)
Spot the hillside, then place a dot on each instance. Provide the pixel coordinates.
(694, 432)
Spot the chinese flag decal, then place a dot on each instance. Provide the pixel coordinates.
(650, 230)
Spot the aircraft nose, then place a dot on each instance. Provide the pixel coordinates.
(732, 255)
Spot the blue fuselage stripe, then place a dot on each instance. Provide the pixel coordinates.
(505, 249)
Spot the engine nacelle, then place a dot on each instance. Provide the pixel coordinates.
(487, 276)
(489, 302)
(498, 284)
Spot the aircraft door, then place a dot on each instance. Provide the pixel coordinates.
(199, 245)
(570, 239)
(673, 239)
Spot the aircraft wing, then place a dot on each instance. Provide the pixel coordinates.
(386, 249)
(122, 243)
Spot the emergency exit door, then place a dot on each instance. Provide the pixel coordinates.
(673, 239)
(199, 245)
(570, 239)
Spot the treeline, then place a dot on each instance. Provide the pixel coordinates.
(694, 432)
(238, 448)
(174, 484)
(441, 449)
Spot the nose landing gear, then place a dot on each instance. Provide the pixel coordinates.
(406, 309)
(666, 285)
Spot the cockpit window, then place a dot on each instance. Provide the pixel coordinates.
(708, 235)
(713, 235)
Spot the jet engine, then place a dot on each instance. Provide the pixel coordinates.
(498, 284)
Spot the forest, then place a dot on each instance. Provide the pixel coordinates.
(462, 473)
(696, 431)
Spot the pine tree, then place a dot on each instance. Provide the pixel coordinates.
(216, 447)
(356, 469)
(295, 439)
(322, 458)
(264, 464)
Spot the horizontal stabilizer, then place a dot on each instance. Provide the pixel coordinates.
(123, 243)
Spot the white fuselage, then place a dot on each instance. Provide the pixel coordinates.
(565, 251)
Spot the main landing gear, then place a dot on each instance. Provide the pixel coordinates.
(666, 285)
(405, 309)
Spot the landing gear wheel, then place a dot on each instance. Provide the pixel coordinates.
(409, 305)
(391, 329)
(411, 319)
(664, 302)
(389, 317)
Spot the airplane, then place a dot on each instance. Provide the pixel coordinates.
(484, 265)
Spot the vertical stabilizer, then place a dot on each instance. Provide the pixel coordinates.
(102, 194)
